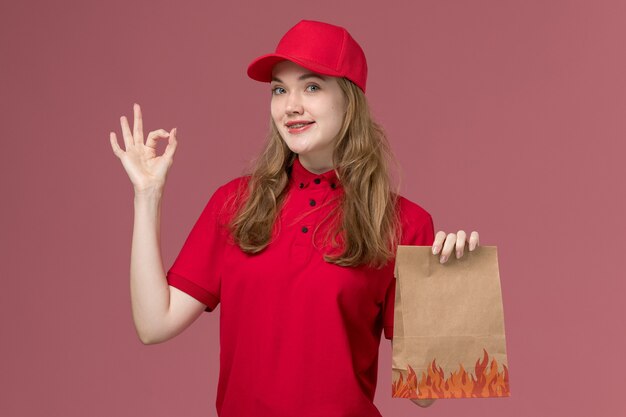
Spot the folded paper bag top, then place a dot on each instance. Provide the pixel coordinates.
(448, 337)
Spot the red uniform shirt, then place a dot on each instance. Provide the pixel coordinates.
(298, 336)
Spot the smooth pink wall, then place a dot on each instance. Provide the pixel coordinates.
(507, 118)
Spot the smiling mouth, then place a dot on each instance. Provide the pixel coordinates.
(299, 128)
(298, 125)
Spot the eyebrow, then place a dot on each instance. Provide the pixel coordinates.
(304, 77)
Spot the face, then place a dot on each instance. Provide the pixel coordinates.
(316, 104)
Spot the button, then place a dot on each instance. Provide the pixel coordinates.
(301, 185)
(305, 229)
(317, 180)
(312, 202)
(333, 185)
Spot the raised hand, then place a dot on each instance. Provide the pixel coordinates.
(447, 242)
(146, 170)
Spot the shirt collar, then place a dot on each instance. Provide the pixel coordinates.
(301, 177)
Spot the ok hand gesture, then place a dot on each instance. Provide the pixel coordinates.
(146, 170)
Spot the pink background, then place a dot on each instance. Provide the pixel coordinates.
(507, 118)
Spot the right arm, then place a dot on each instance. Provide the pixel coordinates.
(159, 310)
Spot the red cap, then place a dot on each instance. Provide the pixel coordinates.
(321, 47)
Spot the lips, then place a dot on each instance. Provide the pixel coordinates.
(297, 126)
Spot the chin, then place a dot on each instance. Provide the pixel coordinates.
(297, 147)
(298, 151)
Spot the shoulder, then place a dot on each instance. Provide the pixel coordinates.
(227, 197)
(412, 213)
(416, 221)
(229, 190)
(233, 186)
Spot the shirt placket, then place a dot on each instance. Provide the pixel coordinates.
(311, 195)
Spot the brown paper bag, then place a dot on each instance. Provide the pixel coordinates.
(448, 334)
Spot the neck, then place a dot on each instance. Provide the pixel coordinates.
(315, 164)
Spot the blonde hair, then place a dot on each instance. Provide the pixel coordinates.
(369, 224)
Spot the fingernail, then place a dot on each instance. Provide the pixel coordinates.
(458, 254)
(435, 249)
(443, 259)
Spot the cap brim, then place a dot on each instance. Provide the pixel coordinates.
(260, 69)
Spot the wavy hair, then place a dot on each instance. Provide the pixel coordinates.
(369, 225)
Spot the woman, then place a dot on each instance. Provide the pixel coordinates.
(299, 253)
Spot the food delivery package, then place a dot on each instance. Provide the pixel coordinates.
(448, 334)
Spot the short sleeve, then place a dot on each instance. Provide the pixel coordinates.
(197, 269)
(418, 230)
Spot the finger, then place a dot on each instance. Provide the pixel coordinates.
(460, 243)
(172, 143)
(438, 243)
(128, 136)
(473, 241)
(448, 247)
(137, 125)
(116, 147)
(151, 140)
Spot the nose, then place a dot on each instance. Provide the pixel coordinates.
(294, 104)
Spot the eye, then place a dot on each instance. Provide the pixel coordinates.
(314, 86)
(276, 90)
